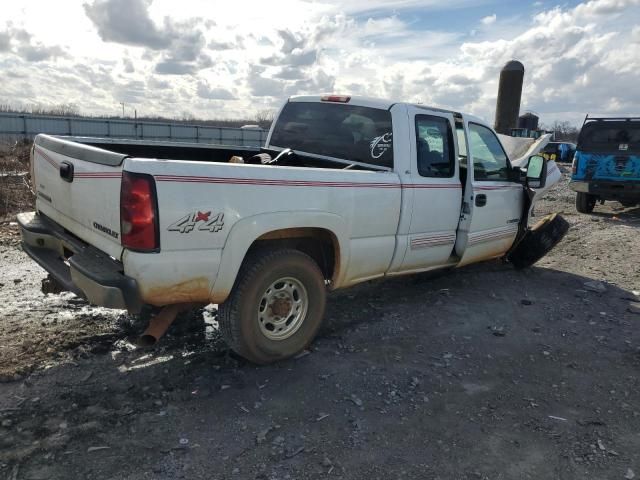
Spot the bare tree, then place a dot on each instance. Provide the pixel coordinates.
(264, 118)
(63, 109)
(563, 131)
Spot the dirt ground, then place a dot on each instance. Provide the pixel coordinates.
(478, 373)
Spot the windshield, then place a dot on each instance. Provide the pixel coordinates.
(610, 136)
(359, 134)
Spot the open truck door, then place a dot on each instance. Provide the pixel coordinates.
(493, 196)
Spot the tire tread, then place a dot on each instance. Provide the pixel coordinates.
(228, 312)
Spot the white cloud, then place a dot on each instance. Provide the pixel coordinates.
(244, 56)
(489, 20)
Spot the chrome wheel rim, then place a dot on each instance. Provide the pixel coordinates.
(282, 308)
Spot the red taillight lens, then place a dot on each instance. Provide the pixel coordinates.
(139, 213)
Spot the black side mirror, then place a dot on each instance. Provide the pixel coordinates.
(536, 172)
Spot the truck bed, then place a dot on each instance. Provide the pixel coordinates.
(198, 152)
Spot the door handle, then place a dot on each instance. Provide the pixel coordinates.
(481, 200)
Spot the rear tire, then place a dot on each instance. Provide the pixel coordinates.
(585, 203)
(539, 241)
(276, 306)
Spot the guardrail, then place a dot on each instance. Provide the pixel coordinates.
(15, 126)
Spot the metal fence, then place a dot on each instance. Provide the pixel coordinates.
(15, 126)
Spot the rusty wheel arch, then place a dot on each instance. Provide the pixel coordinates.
(320, 244)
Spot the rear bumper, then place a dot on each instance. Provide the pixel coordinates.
(608, 190)
(77, 266)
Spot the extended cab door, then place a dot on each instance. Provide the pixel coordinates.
(435, 187)
(493, 200)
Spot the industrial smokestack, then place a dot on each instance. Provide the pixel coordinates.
(509, 96)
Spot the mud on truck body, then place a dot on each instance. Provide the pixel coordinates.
(345, 190)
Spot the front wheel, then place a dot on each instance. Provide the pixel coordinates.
(585, 203)
(276, 306)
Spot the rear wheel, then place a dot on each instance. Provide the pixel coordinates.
(539, 241)
(585, 203)
(276, 306)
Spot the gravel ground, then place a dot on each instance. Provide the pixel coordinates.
(479, 373)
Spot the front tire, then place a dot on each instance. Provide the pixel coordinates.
(585, 203)
(276, 306)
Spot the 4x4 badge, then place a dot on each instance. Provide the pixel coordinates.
(204, 221)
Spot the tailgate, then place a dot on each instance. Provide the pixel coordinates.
(78, 187)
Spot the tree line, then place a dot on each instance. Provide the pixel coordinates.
(263, 118)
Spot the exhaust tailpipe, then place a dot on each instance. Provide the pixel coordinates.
(159, 324)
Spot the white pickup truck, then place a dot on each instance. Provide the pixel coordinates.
(345, 190)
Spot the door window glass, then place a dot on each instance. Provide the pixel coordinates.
(434, 147)
(490, 163)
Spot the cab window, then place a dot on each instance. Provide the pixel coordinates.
(490, 162)
(343, 131)
(434, 147)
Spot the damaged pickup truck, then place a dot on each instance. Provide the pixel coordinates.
(346, 190)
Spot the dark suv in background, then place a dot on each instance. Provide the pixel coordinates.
(606, 165)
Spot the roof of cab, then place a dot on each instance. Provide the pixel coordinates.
(383, 104)
(353, 100)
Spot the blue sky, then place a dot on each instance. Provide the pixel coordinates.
(246, 56)
(465, 19)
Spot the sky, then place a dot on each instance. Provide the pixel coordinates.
(236, 58)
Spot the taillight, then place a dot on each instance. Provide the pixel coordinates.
(139, 213)
(32, 168)
(574, 165)
(335, 98)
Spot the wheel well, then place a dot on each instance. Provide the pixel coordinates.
(320, 244)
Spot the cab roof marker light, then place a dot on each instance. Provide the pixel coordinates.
(335, 98)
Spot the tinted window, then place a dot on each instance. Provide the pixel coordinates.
(434, 146)
(348, 132)
(607, 136)
(490, 163)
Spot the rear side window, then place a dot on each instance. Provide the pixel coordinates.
(434, 147)
(348, 132)
(610, 136)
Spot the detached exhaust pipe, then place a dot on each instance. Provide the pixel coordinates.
(159, 324)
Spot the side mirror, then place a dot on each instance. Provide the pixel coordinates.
(536, 172)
